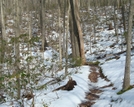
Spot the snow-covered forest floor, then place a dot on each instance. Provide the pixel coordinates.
(111, 67)
(111, 55)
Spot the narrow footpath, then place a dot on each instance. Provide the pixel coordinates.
(94, 93)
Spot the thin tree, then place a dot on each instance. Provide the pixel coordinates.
(64, 29)
(1, 50)
(94, 21)
(115, 19)
(17, 49)
(67, 35)
(42, 24)
(60, 35)
(123, 14)
(3, 32)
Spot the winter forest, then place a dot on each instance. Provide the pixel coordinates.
(66, 53)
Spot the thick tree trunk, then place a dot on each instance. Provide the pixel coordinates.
(126, 82)
(76, 32)
(77, 18)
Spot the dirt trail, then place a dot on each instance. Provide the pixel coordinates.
(94, 92)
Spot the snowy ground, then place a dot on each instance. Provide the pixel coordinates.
(113, 69)
(62, 98)
(105, 48)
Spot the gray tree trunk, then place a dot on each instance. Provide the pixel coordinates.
(64, 30)
(60, 35)
(42, 24)
(3, 33)
(123, 15)
(115, 19)
(17, 50)
(67, 35)
(126, 82)
(3, 21)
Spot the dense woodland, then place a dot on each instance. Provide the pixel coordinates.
(30, 27)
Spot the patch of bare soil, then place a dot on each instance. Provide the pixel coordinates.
(86, 104)
(110, 85)
(93, 76)
(94, 93)
(91, 96)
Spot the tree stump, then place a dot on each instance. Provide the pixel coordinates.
(69, 86)
(110, 26)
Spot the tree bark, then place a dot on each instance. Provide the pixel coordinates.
(123, 15)
(82, 52)
(17, 50)
(60, 35)
(115, 19)
(76, 32)
(42, 25)
(67, 35)
(126, 82)
(64, 29)
(3, 33)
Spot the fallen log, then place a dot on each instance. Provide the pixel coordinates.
(115, 55)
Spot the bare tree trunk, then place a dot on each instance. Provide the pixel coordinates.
(1, 52)
(105, 11)
(123, 15)
(60, 36)
(3, 33)
(30, 36)
(17, 50)
(67, 35)
(3, 21)
(126, 82)
(94, 21)
(77, 18)
(42, 25)
(64, 30)
(88, 5)
(115, 20)
(76, 32)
